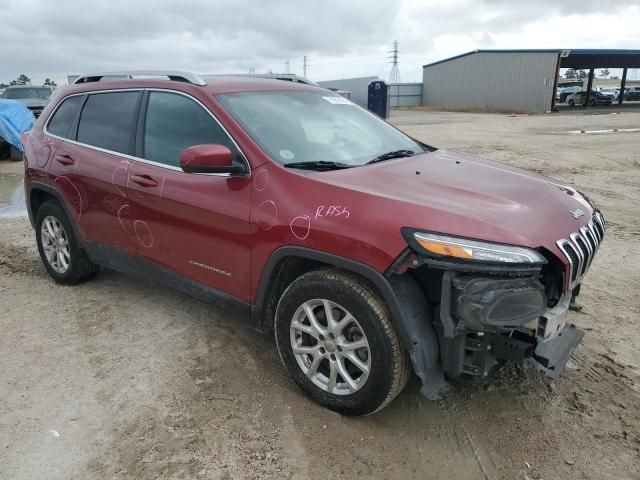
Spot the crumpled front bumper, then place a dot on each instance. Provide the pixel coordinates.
(552, 356)
(484, 321)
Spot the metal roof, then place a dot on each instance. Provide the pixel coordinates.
(599, 58)
(573, 58)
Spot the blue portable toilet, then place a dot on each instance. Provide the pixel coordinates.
(378, 101)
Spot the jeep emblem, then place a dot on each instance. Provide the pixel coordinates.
(577, 213)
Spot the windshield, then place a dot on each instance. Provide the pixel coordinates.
(295, 127)
(24, 93)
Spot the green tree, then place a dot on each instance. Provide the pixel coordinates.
(50, 83)
(582, 74)
(571, 73)
(21, 80)
(604, 73)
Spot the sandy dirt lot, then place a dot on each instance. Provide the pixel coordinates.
(118, 378)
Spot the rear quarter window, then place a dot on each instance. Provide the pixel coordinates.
(64, 116)
(108, 119)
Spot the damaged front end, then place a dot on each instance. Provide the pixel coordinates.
(510, 306)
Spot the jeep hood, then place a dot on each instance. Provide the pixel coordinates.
(464, 195)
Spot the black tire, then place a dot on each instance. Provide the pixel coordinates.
(571, 102)
(80, 268)
(389, 362)
(593, 102)
(14, 154)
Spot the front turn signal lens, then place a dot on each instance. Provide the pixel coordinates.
(445, 249)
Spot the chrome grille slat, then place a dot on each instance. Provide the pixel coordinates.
(594, 235)
(581, 247)
(594, 232)
(591, 243)
(581, 253)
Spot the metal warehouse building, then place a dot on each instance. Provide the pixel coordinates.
(517, 80)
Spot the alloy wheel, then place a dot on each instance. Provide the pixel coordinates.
(330, 347)
(55, 244)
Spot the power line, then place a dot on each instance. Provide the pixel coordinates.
(394, 76)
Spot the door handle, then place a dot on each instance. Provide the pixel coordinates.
(144, 180)
(65, 159)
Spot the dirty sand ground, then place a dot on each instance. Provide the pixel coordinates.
(118, 378)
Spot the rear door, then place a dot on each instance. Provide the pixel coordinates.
(91, 167)
(193, 225)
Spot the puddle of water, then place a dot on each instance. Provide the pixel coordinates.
(12, 202)
(8, 184)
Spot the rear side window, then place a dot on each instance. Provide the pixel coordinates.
(107, 121)
(64, 116)
(175, 122)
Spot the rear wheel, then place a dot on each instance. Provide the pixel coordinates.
(59, 248)
(336, 340)
(571, 102)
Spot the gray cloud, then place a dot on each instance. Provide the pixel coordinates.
(69, 36)
(44, 38)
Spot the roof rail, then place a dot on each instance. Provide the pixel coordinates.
(175, 76)
(288, 77)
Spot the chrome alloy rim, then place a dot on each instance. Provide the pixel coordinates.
(330, 347)
(55, 244)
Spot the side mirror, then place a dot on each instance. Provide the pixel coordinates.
(208, 158)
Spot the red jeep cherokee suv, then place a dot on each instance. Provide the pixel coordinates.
(369, 253)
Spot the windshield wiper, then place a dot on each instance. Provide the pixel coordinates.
(317, 165)
(390, 155)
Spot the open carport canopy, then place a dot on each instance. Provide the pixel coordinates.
(584, 59)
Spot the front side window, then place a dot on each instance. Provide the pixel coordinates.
(175, 122)
(108, 119)
(64, 116)
(314, 126)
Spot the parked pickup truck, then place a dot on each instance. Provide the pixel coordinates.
(35, 98)
(368, 253)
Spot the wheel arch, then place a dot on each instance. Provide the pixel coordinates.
(37, 194)
(409, 309)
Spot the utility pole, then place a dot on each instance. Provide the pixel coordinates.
(252, 70)
(304, 66)
(394, 76)
(286, 67)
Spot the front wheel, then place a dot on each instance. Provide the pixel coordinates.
(335, 337)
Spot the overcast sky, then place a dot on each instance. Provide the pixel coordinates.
(341, 38)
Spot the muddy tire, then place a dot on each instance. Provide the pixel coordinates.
(65, 261)
(335, 337)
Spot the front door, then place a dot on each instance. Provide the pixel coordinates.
(193, 225)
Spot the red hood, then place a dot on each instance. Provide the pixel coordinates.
(464, 195)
